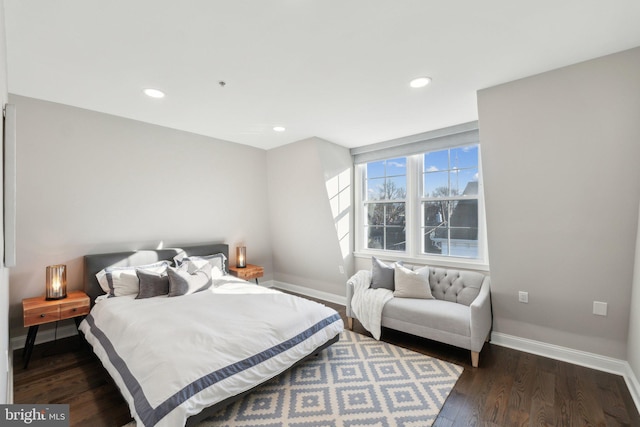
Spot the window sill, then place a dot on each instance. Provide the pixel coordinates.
(461, 263)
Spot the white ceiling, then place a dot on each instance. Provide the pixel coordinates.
(335, 69)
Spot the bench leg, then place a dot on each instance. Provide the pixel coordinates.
(475, 356)
(350, 323)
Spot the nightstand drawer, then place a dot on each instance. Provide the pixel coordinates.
(74, 307)
(40, 315)
(75, 310)
(253, 274)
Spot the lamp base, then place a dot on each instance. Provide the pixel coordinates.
(55, 298)
(241, 266)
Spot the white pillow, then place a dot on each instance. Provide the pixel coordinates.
(181, 282)
(118, 281)
(412, 284)
(217, 261)
(194, 264)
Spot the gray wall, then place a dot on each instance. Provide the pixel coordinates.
(306, 250)
(90, 182)
(633, 353)
(4, 273)
(560, 157)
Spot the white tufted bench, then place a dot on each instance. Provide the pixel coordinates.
(459, 315)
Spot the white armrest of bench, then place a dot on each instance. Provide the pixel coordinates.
(361, 277)
(481, 316)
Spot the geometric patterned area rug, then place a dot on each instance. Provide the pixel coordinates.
(357, 381)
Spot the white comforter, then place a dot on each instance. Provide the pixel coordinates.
(173, 357)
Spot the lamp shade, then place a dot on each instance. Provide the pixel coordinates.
(56, 282)
(241, 256)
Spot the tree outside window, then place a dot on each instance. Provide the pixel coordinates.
(385, 204)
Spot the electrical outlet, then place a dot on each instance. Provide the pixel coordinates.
(523, 297)
(599, 308)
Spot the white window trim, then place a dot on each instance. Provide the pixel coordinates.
(412, 253)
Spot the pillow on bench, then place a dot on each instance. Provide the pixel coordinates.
(382, 275)
(412, 284)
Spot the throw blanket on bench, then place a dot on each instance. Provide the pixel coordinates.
(367, 305)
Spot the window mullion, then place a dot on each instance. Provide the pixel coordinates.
(412, 207)
(385, 207)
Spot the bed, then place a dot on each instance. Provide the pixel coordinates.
(180, 359)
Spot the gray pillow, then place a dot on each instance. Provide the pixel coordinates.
(152, 284)
(382, 274)
(181, 282)
(412, 284)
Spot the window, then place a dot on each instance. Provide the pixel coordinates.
(424, 204)
(450, 202)
(384, 204)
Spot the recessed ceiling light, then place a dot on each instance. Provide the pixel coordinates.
(154, 93)
(420, 82)
(279, 129)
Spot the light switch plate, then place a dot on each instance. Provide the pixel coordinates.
(600, 308)
(523, 297)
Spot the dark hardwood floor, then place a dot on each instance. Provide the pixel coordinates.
(510, 388)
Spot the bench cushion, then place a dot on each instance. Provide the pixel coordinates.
(437, 314)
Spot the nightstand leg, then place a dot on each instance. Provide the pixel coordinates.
(257, 281)
(28, 345)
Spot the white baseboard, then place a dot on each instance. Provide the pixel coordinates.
(577, 357)
(267, 283)
(44, 336)
(633, 385)
(313, 293)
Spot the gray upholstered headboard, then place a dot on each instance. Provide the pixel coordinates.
(95, 263)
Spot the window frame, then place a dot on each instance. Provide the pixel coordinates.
(413, 210)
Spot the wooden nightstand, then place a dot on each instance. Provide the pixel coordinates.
(38, 311)
(249, 272)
